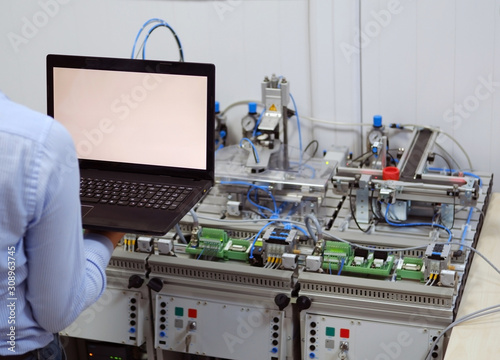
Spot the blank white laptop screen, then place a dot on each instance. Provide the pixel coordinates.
(127, 117)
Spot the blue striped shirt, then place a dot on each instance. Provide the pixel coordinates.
(49, 273)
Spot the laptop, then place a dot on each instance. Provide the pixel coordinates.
(144, 136)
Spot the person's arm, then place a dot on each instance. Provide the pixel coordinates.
(114, 236)
(66, 273)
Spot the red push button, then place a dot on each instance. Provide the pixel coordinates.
(344, 333)
(192, 313)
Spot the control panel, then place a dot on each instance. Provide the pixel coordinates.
(218, 329)
(126, 310)
(329, 337)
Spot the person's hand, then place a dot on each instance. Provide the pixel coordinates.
(114, 236)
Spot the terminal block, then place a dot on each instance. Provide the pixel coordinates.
(339, 257)
(411, 268)
(437, 258)
(335, 254)
(215, 243)
(278, 241)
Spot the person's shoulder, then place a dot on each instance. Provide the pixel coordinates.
(20, 120)
(28, 123)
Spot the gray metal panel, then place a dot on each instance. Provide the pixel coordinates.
(128, 260)
(225, 272)
(379, 290)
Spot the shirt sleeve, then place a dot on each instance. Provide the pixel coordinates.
(66, 273)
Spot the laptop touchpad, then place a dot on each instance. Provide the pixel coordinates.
(86, 209)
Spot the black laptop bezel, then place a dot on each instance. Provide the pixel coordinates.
(144, 66)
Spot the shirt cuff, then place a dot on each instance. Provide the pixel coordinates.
(99, 244)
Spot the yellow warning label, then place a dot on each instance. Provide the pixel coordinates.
(273, 108)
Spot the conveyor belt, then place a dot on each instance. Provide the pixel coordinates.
(415, 155)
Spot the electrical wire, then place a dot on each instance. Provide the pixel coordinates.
(181, 54)
(362, 156)
(315, 150)
(445, 160)
(475, 208)
(139, 33)
(446, 134)
(237, 103)
(298, 128)
(486, 311)
(258, 206)
(335, 123)
(255, 154)
(353, 215)
(461, 148)
(452, 171)
(341, 265)
(434, 280)
(466, 228)
(304, 165)
(260, 209)
(483, 257)
(180, 234)
(337, 238)
(250, 256)
(449, 155)
(393, 160)
(193, 214)
(259, 119)
(314, 219)
(234, 221)
(159, 23)
(300, 229)
(416, 224)
(258, 187)
(429, 281)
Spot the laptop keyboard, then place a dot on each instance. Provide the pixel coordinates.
(124, 193)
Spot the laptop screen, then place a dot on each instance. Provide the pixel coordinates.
(122, 112)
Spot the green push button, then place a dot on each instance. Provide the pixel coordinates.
(330, 331)
(179, 311)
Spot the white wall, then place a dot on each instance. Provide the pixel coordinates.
(415, 65)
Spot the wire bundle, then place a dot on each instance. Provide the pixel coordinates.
(274, 213)
(155, 24)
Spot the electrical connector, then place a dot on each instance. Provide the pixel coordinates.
(144, 244)
(165, 246)
(313, 263)
(289, 261)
